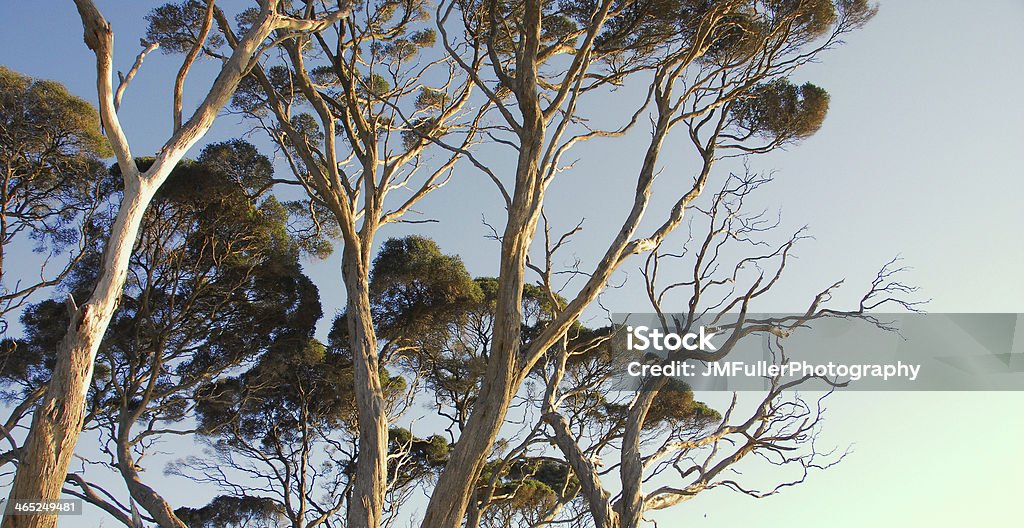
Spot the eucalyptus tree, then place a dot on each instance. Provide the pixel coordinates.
(56, 424)
(229, 512)
(53, 200)
(717, 70)
(214, 284)
(581, 451)
(354, 110)
(54, 182)
(668, 447)
(280, 433)
(283, 432)
(354, 115)
(434, 322)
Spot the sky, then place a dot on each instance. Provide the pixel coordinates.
(919, 157)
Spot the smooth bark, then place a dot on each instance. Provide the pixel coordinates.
(57, 422)
(367, 502)
(455, 486)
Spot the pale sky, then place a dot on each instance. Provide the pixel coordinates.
(920, 156)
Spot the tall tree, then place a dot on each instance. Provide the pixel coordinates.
(716, 69)
(284, 431)
(354, 111)
(287, 428)
(56, 424)
(354, 114)
(669, 447)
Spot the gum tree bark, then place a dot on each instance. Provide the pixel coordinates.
(451, 496)
(57, 422)
(367, 506)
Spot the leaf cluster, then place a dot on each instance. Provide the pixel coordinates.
(176, 26)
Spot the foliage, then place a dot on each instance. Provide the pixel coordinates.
(214, 284)
(217, 321)
(177, 27)
(54, 181)
(226, 511)
(780, 111)
(415, 289)
(420, 458)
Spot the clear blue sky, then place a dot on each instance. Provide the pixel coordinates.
(920, 156)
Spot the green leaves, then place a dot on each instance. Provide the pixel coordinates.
(421, 457)
(781, 111)
(674, 405)
(415, 289)
(39, 115)
(214, 283)
(812, 17)
(176, 27)
(240, 162)
(226, 511)
(429, 98)
(55, 183)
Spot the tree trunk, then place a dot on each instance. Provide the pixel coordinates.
(458, 480)
(145, 496)
(631, 504)
(367, 500)
(586, 473)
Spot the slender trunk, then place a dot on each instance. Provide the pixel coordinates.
(57, 421)
(179, 81)
(142, 494)
(586, 473)
(458, 480)
(366, 504)
(455, 487)
(474, 512)
(630, 506)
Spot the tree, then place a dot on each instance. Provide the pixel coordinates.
(280, 434)
(47, 452)
(54, 180)
(710, 68)
(367, 86)
(354, 117)
(226, 512)
(213, 284)
(285, 431)
(720, 71)
(663, 439)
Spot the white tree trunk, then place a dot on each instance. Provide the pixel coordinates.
(367, 502)
(457, 482)
(57, 423)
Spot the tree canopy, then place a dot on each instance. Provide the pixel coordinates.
(54, 180)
